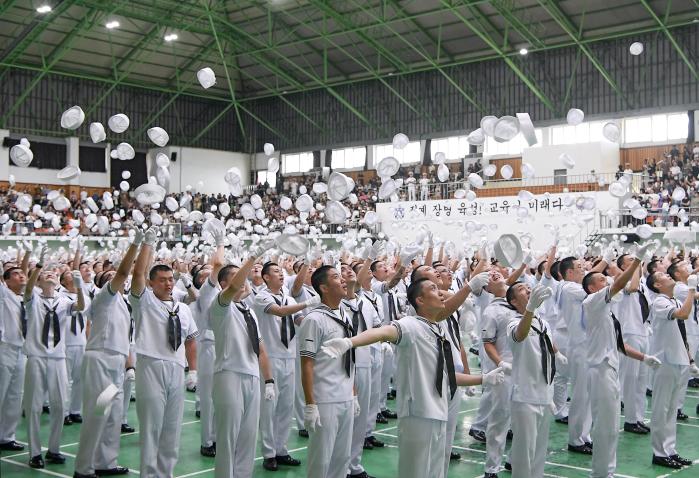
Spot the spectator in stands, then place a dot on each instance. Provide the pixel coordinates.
(424, 187)
(411, 183)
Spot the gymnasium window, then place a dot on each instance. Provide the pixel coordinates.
(408, 155)
(271, 178)
(588, 132)
(514, 147)
(349, 158)
(453, 147)
(657, 128)
(297, 162)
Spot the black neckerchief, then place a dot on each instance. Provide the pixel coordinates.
(287, 328)
(547, 352)
(374, 302)
(349, 356)
(23, 318)
(77, 319)
(453, 326)
(51, 321)
(643, 301)
(174, 326)
(392, 315)
(681, 325)
(617, 331)
(357, 314)
(251, 326)
(443, 356)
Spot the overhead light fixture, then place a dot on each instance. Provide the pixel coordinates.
(523, 51)
(111, 25)
(44, 9)
(171, 37)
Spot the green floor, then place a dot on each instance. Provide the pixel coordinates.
(633, 456)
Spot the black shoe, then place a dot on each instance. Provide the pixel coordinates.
(67, 421)
(681, 415)
(389, 414)
(55, 458)
(477, 435)
(454, 456)
(693, 383)
(490, 475)
(681, 461)
(508, 466)
(563, 420)
(119, 470)
(303, 433)
(209, 451)
(270, 464)
(393, 394)
(363, 474)
(192, 390)
(635, 428)
(381, 419)
(76, 417)
(697, 409)
(367, 444)
(126, 428)
(667, 462)
(81, 475)
(197, 414)
(643, 425)
(36, 462)
(375, 442)
(11, 446)
(509, 434)
(584, 449)
(474, 351)
(45, 410)
(287, 460)
(589, 444)
(622, 406)
(132, 399)
(649, 392)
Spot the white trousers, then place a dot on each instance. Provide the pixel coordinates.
(634, 377)
(74, 363)
(206, 355)
(128, 388)
(421, 443)
(530, 428)
(12, 365)
(236, 398)
(99, 435)
(45, 375)
(159, 407)
(498, 425)
(411, 194)
(275, 415)
(299, 399)
(375, 398)
(329, 447)
(387, 371)
(666, 396)
(693, 346)
(452, 420)
(605, 396)
(485, 405)
(560, 381)
(362, 382)
(579, 415)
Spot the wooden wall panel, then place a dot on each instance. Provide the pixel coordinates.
(515, 163)
(635, 156)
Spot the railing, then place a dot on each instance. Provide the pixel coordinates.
(656, 217)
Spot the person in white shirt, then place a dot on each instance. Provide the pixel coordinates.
(604, 343)
(424, 188)
(48, 316)
(423, 403)
(103, 366)
(668, 319)
(240, 357)
(534, 359)
(165, 334)
(274, 311)
(411, 182)
(13, 329)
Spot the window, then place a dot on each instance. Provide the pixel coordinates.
(408, 155)
(454, 147)
(348, 158)
(657, 128)
(265, 175)
(677, 126)
(514, 147)
(297, 162)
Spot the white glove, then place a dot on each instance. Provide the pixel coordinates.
(357, 408)
(42, 256)
(409, 254)
(608, 256)
(191, 380)
(653, 361)
(262, 247)
(151, 237)
(186, 281)
(478, 282)
(694, 370)
(494, 377)
(219, 237)
(484, 253)
(505, 366)
(644, 252)
(312, 302)
(474, 337)
(470, 391)
(692, 281)
(336, 348)
(373, 251)
(387, 349)
(130, 375)
(137, 236)
(430, 239)
(561, 359)
(270, 392)
(537, 297)
(311, 417)
(77, 279)
(528, 258)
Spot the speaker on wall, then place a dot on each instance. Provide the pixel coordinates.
(173, 158)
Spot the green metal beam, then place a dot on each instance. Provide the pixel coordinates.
(425, 31)
(672, 39)
(553, 9)
(517, 25)
(508, 60)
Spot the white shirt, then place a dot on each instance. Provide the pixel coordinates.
(570, 308)
(110, 322)
(306, 293)
(681, 291)
(331, 384)
(416, 355)
(387, 296)
(234, 350)
(200, 310)
(528, 382)
(424, 184)
(630, 315)
(494, 330)
(151, 317)
(10, 312)
(667, 343)
(450, 329)
(599, 324)
(410, 181)
(367, 318)
(78, 339)
(271, 325)
(36, 307)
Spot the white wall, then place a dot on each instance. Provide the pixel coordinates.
(602, 156)
(452, 227)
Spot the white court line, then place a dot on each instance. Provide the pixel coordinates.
(40, 470)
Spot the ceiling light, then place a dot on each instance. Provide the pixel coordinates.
(111, 25)
(171, 37)
(523, 51)
(44, 9)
